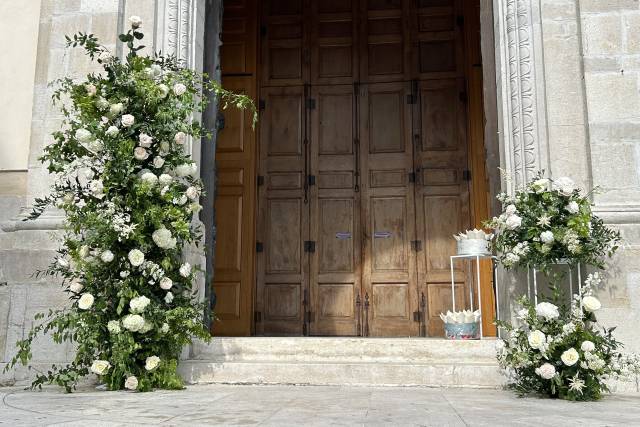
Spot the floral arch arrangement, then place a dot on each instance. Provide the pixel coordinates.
(130, 194)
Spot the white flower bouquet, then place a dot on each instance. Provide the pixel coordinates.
(561, 351)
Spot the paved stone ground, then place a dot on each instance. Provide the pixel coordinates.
(303, 406)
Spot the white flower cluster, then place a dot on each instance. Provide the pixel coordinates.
(517, 252)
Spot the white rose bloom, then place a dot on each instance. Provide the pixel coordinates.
(115, 109)
(133, 322)
(131, 383)
(179, 89)
(564, 185)
(151, 363)
(83, 136)
(139, 304)
(106, 256)
(180, 138)
(112, 131)
(168, 298)
(164, 90)
(546, 371)
(100, 367)
(193, 169)
(547, 310)
(537, 339)
(570, 357)
(546, 237)
(165, 179)
(95, 146)
(193, 192)
(145, 140)
(573, 207)
(587, 346)
(128, 120)
(163, 238)
(166, 283)
(513, 221)
(149, 178)
(158, 162)
(183, 170)
(154, 71)
(541, 185)
(85, 302)
(185, 269)
(76, 287)
(140, 153)
(135, 21)
(164, 328)
(591, 304)
(136, 257)
(124, 274)
(510, 210)
(113, 326)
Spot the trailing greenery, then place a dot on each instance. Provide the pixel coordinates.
(130, 194)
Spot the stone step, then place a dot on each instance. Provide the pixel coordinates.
(344, 361)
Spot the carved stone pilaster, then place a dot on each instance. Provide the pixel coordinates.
(520, 83)
(178, 29)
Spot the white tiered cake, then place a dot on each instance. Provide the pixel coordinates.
(473, 242)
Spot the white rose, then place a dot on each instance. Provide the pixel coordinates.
(168, 298)
(128, 120)
(165, 179)
(107, 256)
(97, 188)
(158, 162)
(76, 287)
(105, 56)
(113, 326)
(140, 153)
(151, 363)
(95, 146)
(193, 193)
(133, 322)
(149, 177)
(166, 283)
(510, 210)
(138, 304)
(513, 222)
(570, 357)
(537, 339)
(124, 274)
(112, 131)
(587, 346)
(546, 371)
(179, 89)
(573, 207)
(154, 71)
(131, 383)
(100, 367)
(547, 310)
(135, 21)
(83, 136)
(164, 90)
(546, 237)
(180, 138)
(136, 257)
(185, 269)
(180, 200)
(163, 238)
(164, 328)
(564, 185)
(91, 89)
(183, 170)
(85, 302)
(591, 304)
(145, 140)
(540, 185)
(115, 109)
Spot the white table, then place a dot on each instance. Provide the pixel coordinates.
(477, 257)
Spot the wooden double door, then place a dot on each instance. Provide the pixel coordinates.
(362, 165)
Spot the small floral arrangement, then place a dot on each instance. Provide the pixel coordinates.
(561, 351)
(549, 221)
(131, 195)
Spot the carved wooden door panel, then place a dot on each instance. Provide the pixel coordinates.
(389, 268)
(283, 217)
(441, 163)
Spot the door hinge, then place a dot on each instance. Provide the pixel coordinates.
(260, 180)
(311, 104)
(308, 317)
(416, 245)
(417, 316)
(309, 246)
(257, 316)
(466, 175)
(259, 247)
(412, 99)
(412, 177)
(262, 104)
(311, 180)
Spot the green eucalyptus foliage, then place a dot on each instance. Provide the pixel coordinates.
(121, 175)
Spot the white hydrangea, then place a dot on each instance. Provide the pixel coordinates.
(164, 90)
(115, 109)
(133, 322)
(179, 89)
(136, 257)
(139, 304)
(547, 237)
(107, 256)
(546, 371)
(587, 346)
(180, 200)
(547, 310)
(164, 239)
(573, 207)
(97, 188)
(164, 328)
(186, 169)
(83, 136)
(149, 178)
(113, 326)
(165, 179)
(112, 131)
(564, 185)
(185, 269)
